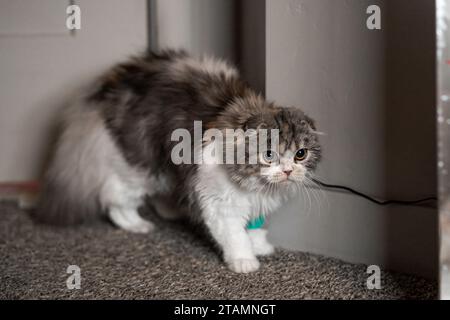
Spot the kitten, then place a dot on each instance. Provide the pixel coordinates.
(117, 147)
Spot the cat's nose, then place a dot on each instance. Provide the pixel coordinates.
(288, 172)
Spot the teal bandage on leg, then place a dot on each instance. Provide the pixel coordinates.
(256, 223)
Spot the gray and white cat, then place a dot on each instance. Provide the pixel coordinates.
(115, 149)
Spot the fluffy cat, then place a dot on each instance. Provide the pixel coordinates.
(116, 143)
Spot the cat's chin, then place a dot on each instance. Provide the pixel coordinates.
(284, 181)
(282, 185)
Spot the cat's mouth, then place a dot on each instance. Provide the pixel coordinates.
(283, 180)
(288, 180)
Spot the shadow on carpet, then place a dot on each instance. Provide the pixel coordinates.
(170, 263)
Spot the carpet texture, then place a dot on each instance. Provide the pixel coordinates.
(171, 263)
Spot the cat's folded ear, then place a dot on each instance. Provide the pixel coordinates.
(312, 124)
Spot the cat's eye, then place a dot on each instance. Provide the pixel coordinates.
(301, 154)
(269, 156)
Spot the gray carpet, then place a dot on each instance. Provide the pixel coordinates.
(170, 263)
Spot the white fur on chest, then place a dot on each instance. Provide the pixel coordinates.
(215, 190)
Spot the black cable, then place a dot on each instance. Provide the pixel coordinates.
(382, 203)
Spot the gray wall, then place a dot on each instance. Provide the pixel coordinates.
(199, 26)
(372, 93)
(41, 63)
(230, 29)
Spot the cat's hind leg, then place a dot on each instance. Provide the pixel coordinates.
(122, 198)
(130, 220)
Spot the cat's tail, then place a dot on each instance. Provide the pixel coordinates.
(72, 184)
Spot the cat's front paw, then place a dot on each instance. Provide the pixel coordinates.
(243, 265)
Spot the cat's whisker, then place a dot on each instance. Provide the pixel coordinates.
(318, 189)
(314, 193)
(324, 193)
(309, 201)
